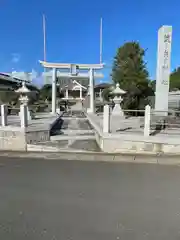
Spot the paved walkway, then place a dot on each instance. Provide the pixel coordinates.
(55, 200)
(73, 133)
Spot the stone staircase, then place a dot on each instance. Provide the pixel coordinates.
(74, 133)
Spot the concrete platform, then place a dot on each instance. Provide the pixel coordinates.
(133, 142)
(13, 137)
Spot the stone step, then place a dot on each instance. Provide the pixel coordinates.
(72, 137)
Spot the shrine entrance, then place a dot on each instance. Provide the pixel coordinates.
(74, 91)
(67, 72)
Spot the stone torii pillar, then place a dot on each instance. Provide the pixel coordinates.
(91, 91)
(54, 77)
(80, 93)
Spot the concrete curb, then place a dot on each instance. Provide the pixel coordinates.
(94, 156)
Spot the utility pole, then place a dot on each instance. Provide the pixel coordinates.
(101, 41)
(44, 36)
(44, 44)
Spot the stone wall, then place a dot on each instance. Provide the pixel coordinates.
(33, 137)
(12, 138)
(16, 138)
(120, 145)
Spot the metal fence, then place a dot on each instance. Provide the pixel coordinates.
(133, 113)
(165, 122)
(133, 122)
(161, 122)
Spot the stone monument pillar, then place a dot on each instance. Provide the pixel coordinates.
(163, 70)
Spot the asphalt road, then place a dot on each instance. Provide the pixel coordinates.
(71, 200)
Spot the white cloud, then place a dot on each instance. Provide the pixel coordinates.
(15, 57)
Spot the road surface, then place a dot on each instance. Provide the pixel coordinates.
(73, 200)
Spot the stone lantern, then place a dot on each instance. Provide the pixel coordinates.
(24, 99)
(117, 93)
(24, 92)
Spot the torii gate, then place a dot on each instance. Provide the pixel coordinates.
(73, 71)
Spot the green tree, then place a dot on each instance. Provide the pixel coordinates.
(46, 92)
(8, 97)
(175, 80)
(152, 85)
(106, 93)
(129, 70)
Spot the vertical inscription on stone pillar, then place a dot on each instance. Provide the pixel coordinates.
(163, 68)
(166, 59)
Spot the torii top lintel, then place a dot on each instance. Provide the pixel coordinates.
(69, 65)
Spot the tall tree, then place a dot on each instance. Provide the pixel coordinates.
(46, 92)
(175, 80)
(9, 97)
(129, 70)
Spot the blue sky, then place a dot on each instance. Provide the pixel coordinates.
(73, 30)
